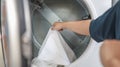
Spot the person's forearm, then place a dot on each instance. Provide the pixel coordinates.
(80, 27)
(109, 53)
(115, 62)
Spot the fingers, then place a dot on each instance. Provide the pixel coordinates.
(57, 26)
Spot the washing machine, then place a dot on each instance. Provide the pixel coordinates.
(45, 12)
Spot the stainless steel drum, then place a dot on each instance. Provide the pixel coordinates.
(44, 14)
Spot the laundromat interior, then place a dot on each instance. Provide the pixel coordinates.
(25, 25)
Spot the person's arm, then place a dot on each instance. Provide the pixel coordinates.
(80, 27)
(109, 53)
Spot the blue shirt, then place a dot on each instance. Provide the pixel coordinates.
(107, 26)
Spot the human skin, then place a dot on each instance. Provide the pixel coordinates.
(109, 51)
(80, 27)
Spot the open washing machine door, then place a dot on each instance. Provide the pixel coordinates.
(45, 13)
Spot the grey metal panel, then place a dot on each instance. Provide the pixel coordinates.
(114, 1)
(66, 9)
(15, 59)
(1, 54)
(41, 26)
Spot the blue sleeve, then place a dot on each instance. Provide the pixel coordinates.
(107, 26)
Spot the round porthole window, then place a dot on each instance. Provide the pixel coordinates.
(49, 11)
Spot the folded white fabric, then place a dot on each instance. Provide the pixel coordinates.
(55, 50)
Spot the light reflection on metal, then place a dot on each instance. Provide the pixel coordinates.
(27, 47)
(14, 34)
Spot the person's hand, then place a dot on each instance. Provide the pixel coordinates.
(58, 26)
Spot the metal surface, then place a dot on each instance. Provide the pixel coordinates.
(60, 10)
(38, 32)
(14, 34)
(18, 49)
(27, 36)
(66, 9)
(114, 2)
(1, 55)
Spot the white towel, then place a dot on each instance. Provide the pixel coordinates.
(55, 50)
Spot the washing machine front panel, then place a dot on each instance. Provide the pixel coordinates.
(59, 10)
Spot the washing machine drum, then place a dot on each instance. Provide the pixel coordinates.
(45, 14)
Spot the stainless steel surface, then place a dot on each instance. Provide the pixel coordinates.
(114, 2)
(14, 33)
(27, 36)
(1, 55)
(38, 32)
(66, 9)
(1, 46)
(49, 15)
(60, 10)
